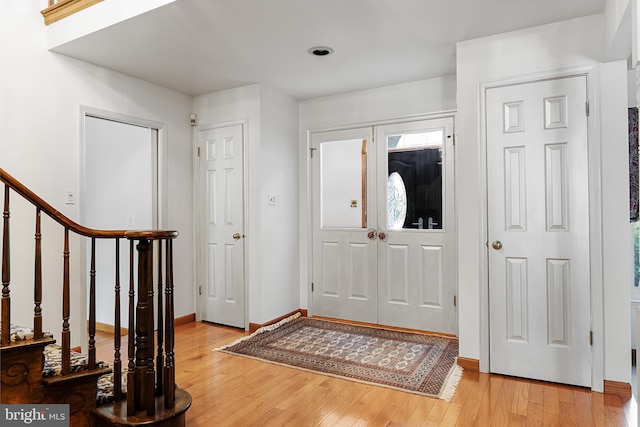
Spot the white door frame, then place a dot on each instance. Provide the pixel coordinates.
(595, 215)
(309, 229)
(159, 197)
(199, 272)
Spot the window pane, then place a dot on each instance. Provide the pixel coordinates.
(343, 183)
(416, 159)
(396, 202)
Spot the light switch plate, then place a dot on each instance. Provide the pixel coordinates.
(70, 198)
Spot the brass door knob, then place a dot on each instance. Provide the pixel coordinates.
(236, 236)
(497, 245)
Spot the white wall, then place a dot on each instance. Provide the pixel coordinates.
(617, 241)
(350, 110)
(617, 30)
(568, 44)
(279, 246)
(98, 16)
(272, 231)
(42, 93)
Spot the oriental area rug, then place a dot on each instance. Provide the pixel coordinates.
(412, 362)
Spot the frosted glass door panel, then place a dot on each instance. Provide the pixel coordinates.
(343, 183)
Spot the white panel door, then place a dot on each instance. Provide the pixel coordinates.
(416, 285)
(383, 232)
(344, 238)
(538, 231)
(222, 223)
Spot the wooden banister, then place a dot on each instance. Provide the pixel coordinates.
(151, 369)
(53, 213)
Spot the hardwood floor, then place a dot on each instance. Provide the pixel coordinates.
(237, 391)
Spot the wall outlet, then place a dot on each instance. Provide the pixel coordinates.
(272, 199)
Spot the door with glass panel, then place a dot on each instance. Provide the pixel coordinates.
(415, 173)
(383, 225)
(344, 220)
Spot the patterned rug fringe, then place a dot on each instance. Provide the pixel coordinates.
(261, 330)
(451, 383)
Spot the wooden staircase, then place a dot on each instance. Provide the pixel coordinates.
(152, 398)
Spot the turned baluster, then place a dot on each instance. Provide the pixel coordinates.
(92, 306)
(66, 308)
(131, 375)
(150, 375)
(159, 355)
(169, 369)
(5, 307)
(117, 363)
(37, 281)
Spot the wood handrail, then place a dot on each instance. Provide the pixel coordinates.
(56, 215)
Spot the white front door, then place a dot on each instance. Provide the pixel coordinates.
(383, 229)
(538, 230)
(416, 285)
(222, 224)
(344, 238)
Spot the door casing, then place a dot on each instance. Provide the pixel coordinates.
(160, 188)
(595, 216)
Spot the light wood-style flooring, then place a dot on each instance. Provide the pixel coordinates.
(237, 391)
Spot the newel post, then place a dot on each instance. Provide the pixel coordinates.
(145, 374)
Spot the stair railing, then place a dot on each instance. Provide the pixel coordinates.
(150, 369)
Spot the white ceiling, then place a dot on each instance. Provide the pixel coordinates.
(202, 46)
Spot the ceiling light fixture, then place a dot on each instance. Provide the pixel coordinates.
(320, 51)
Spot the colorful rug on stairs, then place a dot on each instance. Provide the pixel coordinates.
(413, 362)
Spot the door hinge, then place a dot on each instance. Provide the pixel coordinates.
(311, 286)
(591, 337)
(198, 151)
(199, 290)
(455, 301)
(311, 150)
(586, 108)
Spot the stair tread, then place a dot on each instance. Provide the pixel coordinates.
(21, 344)
(56, 379)
(23, 336)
